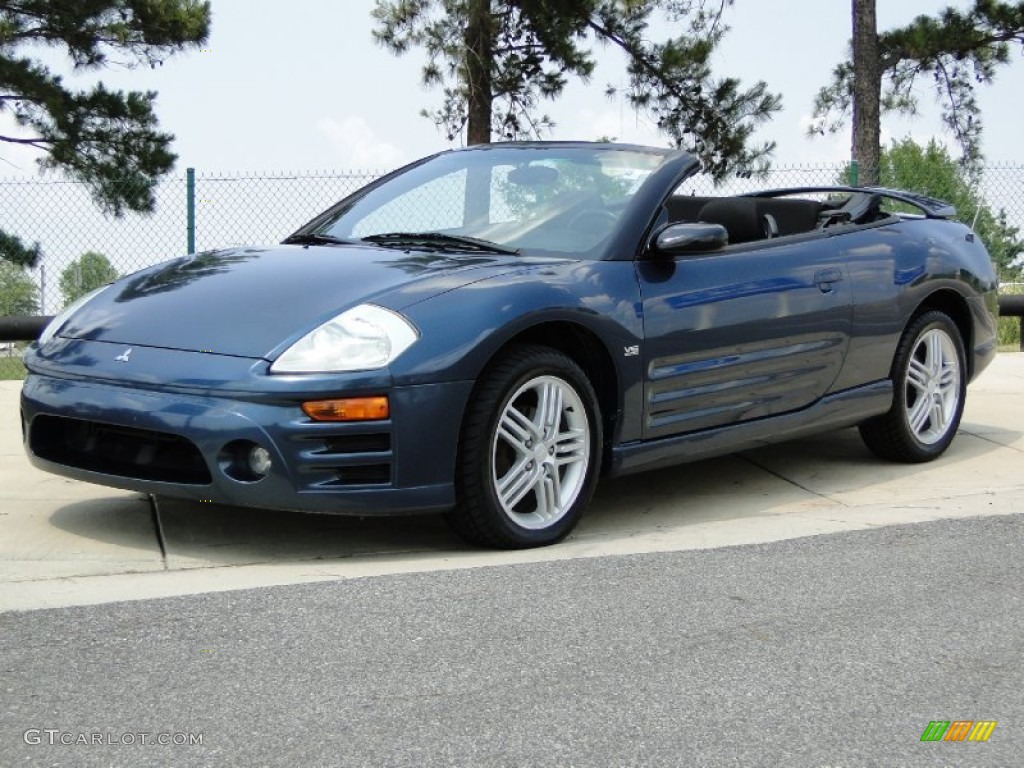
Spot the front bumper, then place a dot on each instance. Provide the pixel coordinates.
(180, 445)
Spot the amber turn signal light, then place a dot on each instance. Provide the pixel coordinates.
(348, 409)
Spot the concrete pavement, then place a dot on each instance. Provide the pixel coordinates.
(68, 543)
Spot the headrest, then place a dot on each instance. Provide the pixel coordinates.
(741, 217)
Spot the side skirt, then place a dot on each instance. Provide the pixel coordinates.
(842, 409)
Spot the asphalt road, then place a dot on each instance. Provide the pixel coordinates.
(833, 650)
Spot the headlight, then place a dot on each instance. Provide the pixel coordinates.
(65, 314)
(360, 339)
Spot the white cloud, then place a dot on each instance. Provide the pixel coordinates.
(357, 146)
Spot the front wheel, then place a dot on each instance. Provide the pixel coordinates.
(930, 383)
(530, 451)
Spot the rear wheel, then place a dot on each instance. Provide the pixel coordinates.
(530, 451)
(930, 380)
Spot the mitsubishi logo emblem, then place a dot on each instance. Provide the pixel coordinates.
(123, 357)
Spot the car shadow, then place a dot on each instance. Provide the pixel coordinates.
(832, 467)
(123, 522)
(828, 470)
(193, 534)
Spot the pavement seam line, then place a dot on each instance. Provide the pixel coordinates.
(791, 481)
(990, 440)
(159, 528)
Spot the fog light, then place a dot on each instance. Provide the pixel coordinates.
(259, 461)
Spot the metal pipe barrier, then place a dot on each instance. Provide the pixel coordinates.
(1012, 305)
(23, 327)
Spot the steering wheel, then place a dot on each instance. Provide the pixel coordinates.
(593, 221)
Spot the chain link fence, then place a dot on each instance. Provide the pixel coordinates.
(236, 209)
(230, 210)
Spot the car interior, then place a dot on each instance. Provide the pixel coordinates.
(751, 218)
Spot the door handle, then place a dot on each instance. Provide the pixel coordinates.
(826, 277)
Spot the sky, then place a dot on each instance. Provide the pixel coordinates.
(302, 86)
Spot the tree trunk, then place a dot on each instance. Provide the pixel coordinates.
(867, 92)
(479, 55)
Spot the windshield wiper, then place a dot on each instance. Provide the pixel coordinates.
(439, 240)
(314, 238)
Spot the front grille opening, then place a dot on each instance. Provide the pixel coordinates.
(113, 450)
(377, 442)
(365, 474)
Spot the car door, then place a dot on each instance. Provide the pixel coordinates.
(742, 333)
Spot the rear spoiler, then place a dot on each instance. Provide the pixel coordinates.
(931, 207)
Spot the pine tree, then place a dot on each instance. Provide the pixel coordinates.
(954, 51)
(107, 139)
(867, 85)
(496, 60)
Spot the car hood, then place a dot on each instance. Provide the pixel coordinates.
(248, 302)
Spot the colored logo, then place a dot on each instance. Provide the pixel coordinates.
(958, 730)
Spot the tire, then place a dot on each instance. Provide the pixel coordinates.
(530, 451)
(930, 384)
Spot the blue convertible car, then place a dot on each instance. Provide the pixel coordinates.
(486, 331)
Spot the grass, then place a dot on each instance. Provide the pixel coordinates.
(11, 368)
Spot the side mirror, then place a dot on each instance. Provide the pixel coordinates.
(690, 237)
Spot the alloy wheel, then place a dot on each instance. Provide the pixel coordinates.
(540, 452)
(932, 384)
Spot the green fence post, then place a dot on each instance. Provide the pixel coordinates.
(854, 173)
(190, 207)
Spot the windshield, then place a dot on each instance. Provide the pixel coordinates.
(562, 199)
